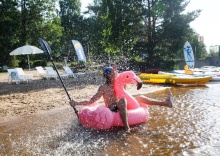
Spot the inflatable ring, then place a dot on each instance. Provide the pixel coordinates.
(98, 116)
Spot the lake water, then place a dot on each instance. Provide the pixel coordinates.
(191, 127)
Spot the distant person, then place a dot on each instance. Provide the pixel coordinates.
(64, 61)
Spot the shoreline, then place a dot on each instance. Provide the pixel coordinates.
(43, 96)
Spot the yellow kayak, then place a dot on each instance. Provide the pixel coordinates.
(173, 79)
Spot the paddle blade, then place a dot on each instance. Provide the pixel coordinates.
(44, 45)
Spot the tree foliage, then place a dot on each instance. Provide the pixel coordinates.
(151, 31)
(24, 21)
(9, 29)
(120, 18)
(70, 21)
(164, 29)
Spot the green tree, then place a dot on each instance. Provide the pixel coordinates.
(33, 15)
(51, 31)
(71, 22)
(120, 18)
(199, 50)
(24, 21)
(164, 29)
(213, 53)
(9, 30)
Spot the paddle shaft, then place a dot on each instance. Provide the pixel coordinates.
(46, 48)
(51, 59)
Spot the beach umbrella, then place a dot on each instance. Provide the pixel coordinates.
(26, 50)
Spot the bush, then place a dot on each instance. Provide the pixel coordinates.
(39, 63)
(23, 64)
(79, 65)
(14, 62)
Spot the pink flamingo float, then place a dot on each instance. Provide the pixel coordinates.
(98, 116)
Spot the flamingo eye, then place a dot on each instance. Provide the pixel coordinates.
(127, 76)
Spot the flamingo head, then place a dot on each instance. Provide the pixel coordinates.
(128, 77)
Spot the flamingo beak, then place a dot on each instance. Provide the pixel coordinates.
(138, 83)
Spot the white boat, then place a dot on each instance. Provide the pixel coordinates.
(207, 69)
(215, 75)
(216, 78)
(197, 73)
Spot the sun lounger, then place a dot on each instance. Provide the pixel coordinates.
(15, 76)
(41, 71)
(23, 74)
(51, 73)
(71, 73)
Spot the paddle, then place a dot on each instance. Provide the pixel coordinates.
(46, 48)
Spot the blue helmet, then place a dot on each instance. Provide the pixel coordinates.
(107, 71)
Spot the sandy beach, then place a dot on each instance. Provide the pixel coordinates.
(42, 95)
